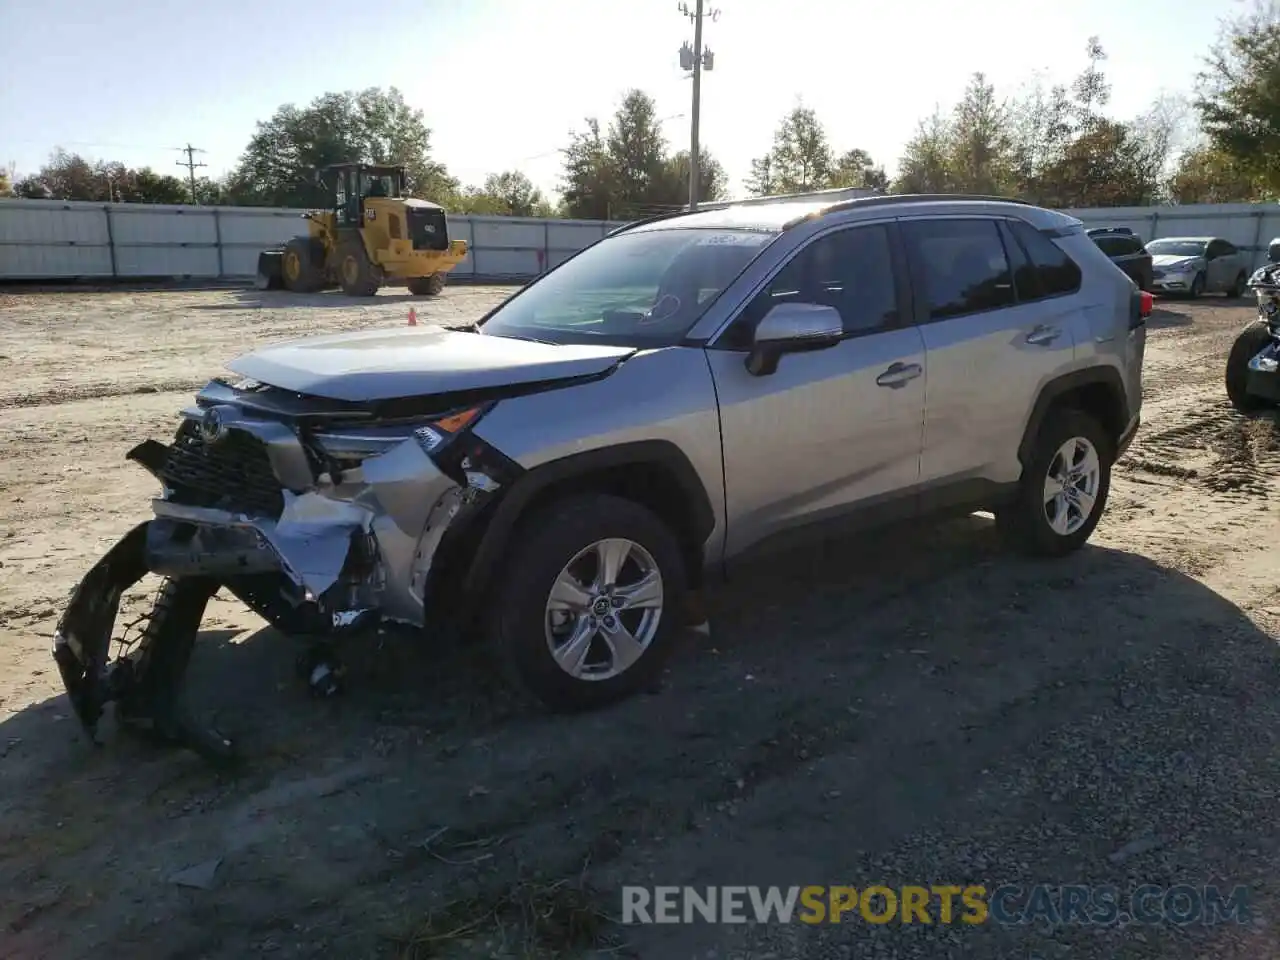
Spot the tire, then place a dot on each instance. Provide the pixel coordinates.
(431, 286)
(1238, 287)
(299, 271)
(1025, 523)
(521, 619)
(1197, 286)
(355, 272)
(1252, 339)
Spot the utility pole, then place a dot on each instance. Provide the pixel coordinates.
(697, 59)
(190, 164)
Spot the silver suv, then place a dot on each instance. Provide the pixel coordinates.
(560, 477)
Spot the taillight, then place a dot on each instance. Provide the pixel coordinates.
(1148, 304)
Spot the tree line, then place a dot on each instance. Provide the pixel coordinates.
(1054, 145)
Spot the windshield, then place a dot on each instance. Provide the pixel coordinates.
(1176, 248)
(641, 289)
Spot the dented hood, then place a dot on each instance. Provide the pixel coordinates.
(391, 364)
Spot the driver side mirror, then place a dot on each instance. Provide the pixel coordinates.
(792, 328)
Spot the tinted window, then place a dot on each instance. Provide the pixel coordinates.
(851, 270)
(1058, 272)
(960, 264)
(1113, 246)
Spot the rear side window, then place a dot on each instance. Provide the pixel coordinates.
(1111, 246)
(960, 264)
(1058, 273)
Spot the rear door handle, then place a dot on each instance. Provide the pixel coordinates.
(1043, 336)
(899, 375)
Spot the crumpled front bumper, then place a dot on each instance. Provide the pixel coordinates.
(348, 547)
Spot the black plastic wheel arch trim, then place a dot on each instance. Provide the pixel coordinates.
(1056, 389)
(511, 507)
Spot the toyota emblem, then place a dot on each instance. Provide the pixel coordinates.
(212, 428)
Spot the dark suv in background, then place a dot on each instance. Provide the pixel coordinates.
(1126, 251)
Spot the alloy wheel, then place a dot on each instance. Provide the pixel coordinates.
(1071, 486)
(603, 609)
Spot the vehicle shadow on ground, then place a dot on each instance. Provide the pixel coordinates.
(1162, 317)
(915, 707)
(251, 299)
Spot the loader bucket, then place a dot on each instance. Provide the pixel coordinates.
(270, 270)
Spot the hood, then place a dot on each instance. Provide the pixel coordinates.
(372, 365)
(1169, 260)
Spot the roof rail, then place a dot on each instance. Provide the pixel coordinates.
(919, 198)
(640, 223)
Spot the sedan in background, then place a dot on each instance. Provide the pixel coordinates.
(1196, 265)
(1126, 251)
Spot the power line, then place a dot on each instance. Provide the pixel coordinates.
(696, 58)
(191, 165)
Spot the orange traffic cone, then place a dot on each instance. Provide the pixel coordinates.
(413, 317)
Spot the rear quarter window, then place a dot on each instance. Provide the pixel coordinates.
(1058, 273)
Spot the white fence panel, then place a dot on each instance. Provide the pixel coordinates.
(51, 239)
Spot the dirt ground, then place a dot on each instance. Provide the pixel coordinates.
(916, 708)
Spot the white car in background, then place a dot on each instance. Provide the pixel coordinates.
(1196, 265)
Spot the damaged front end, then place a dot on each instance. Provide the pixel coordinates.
(322, 516)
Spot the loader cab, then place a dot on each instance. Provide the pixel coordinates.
(349, 185)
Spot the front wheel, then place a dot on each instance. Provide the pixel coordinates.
(431, 286)
(586, 611)
(355, 272)
(1248, 345)
(1064, 486)
(1197, 286)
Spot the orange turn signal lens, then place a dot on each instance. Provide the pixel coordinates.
(457, 421)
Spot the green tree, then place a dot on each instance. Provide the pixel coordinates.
(713, 182)
(855, 168)
(801, 158)
(508, 194)
(763, 181)
(638, 159)
(1091, 89)
(1041, 126)
(925, 165)
(1107, 166)
(69, 176)
(980, 151)
(1206, 175)
(587, 183)
(278, 166)
(1238, 96)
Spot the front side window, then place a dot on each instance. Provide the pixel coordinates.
(642, 289)
(960, 265)
(851, 270)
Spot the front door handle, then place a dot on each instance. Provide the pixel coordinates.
(1042, 336)
(899, 375)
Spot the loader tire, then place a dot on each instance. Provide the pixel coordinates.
(431, 286)
(355, 272)
(300, 271)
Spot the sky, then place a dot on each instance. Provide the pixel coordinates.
(503, 82)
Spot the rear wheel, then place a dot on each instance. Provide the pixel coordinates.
(430, 286)
(1064, 486)
(355, 272)
(588, 608)
(1250, 342)
(300, 272)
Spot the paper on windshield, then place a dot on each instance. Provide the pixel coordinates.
(734, 238)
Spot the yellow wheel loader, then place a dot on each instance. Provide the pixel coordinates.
(370, 236)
